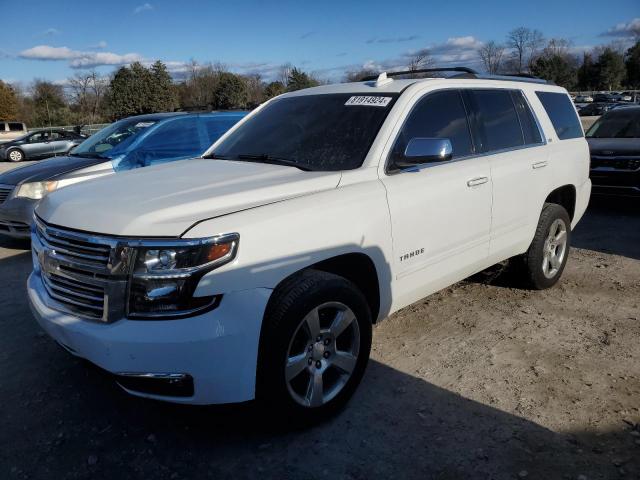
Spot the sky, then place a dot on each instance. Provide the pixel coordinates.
(55, 40)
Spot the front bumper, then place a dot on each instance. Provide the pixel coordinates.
(16, 215)
(218, 349)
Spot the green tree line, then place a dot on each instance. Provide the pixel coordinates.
(137, 89)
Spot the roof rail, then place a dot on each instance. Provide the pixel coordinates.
(422, 70)
(465, 72)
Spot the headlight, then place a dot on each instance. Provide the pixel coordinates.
(36, 190)
(166, 275)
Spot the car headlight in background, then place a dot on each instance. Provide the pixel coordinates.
(165, 276)
(35, 190)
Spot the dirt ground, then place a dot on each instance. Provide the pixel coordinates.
(478, 381)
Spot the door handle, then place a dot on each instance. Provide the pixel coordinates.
(541, 164)
(477, 181)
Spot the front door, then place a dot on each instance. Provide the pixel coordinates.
(440, 212)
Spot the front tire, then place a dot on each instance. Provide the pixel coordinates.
(15, 155)
(544, 261)
(314, 346)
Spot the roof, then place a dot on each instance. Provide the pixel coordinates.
(156, 117)
(398, 85)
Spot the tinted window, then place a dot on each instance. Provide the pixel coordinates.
(174, 140)
(217, 126)
(438, 115)
(497, 119)
(527, 120)
(317, 132)
(562, 114)
(15, 127)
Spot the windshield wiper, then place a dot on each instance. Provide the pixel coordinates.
(262, 158)
(88, 155)
(265, 158)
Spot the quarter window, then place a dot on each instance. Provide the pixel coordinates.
(498, 122)
(528, 123)
(562, 114)
(15, 127)
(437, 115)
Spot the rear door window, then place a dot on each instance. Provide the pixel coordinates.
(562, 114)
(437, 115)
(15, 127)
(497, 120)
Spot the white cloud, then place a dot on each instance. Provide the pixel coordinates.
(629, 29)
(101, 45)
(76, 58)
(145, 7)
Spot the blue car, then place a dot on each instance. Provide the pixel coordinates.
(130, 143)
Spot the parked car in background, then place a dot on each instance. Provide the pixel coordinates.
(11, 130)
(595, 109)
(614, 143)
(40, 144)
(583, 99)
(124, 145)
(258, 270)
(603, 98)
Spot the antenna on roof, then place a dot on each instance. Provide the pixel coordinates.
(383, 80)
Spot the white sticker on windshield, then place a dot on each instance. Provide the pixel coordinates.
(143, 124)
(369, 101)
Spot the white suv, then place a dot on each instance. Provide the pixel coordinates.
(258, 270)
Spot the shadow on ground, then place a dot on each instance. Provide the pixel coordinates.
(62, 418)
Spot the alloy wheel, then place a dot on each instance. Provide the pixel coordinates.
(554, 249)
(322, 354)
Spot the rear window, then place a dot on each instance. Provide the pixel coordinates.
(528, 123)
(15, 127)
(562, 114)
(498, 119)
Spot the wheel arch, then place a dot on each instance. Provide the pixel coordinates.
(358, 268)
(565, 196)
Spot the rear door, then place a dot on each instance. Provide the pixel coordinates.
(508, 133)
(440, 212)
(59, 143)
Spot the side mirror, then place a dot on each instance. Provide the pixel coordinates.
(425, 150)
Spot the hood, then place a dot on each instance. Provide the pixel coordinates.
(614, 146)
(49, 169)
(166, 200)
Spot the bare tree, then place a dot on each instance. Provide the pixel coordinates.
(491, 55)
(87, 91)
(524, 43)
(420, 59)
(285, 73)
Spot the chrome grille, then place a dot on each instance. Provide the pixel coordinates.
(5, 191)
(83, 274)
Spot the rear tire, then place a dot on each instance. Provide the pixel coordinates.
(314, 347)
(15, 155)
(543, 263)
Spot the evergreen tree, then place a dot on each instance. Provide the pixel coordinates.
(611, 69)
(298, 80)
(632, 64)
(231, 92)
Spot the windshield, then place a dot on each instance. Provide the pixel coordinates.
(617, 124)
(314, 132)
(114, 139)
